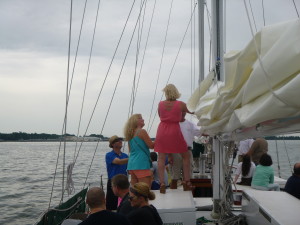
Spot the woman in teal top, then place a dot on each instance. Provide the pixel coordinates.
(139, 144)
(263, 178)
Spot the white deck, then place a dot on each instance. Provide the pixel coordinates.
(270, 207)
(179, 207)
(175, 207)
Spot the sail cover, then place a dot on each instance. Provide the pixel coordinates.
(252, 94)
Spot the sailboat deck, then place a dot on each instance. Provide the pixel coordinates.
(175, 207)
(270, 207)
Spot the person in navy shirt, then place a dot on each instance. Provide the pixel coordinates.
(116, 163)
(292, 185)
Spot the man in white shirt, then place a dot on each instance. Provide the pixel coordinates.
(189, 131)
(243, 148)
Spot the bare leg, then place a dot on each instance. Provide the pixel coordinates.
(186, 166)
(146, 180)
(161, 167)
(134, 179)
(191, 163)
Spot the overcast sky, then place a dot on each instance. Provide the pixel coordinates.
(34, 57)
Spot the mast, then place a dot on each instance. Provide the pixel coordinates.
(218, 37)
(201, 39)
(217, 60)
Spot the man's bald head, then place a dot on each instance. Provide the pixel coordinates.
(297, 169)
(95, 197)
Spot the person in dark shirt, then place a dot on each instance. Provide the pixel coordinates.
(145, 213)
(292, 185)
(120, 187)
(95, 199)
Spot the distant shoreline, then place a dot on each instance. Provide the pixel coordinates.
(42, 140)
(43, 137)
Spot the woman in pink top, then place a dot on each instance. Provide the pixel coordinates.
(169, 138)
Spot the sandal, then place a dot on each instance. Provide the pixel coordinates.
(187, 186)
(162, 189)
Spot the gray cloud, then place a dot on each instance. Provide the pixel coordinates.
(33, 59)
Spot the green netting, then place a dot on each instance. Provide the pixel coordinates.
(54, 217)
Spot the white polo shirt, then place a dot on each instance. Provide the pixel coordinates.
(244, 146)
(189, 131)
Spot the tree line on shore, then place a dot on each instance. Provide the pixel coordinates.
(22, 136)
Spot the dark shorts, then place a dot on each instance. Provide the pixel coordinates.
(197, 148)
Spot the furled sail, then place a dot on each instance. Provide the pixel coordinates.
(251, 93)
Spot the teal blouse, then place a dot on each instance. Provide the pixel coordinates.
(139, 158)
(263, 176)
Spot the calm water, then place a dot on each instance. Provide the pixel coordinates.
(27, 169)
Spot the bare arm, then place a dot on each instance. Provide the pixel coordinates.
(236, 178)
(253, 147)
(120, 161)
(145, 137)
(185, 109)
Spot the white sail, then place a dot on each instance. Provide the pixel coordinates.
(249, 95)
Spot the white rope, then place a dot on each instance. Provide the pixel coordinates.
(63, 210)
(226, 215)
(69, 182)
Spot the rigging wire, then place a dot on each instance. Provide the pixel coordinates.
(252, 15)
(263, 8)
(140, 32)
(175, 60)
(87, 73)
(147, 39)
(194, 75)
(287, 154)
(160, 65)
(108, 110)
(67, 101)
(192, 62)
(193, 50)
(70, 181)
(210, 34)
(68, 91)
(108, 70)
(277, 159)
(76, 53)
(296, 8)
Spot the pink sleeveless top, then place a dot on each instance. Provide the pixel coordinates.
(169, 138)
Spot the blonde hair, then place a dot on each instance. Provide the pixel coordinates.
(171, 92)
(130, 126)
(143, 189)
